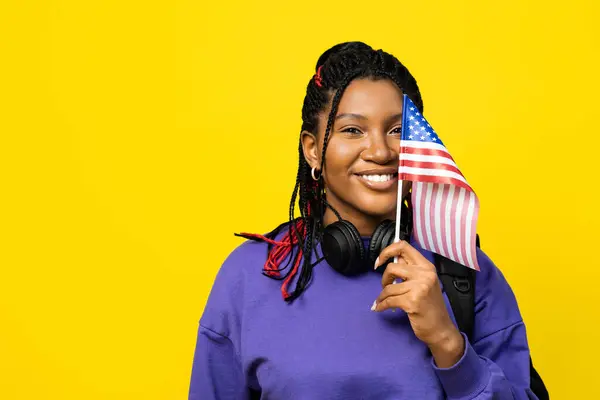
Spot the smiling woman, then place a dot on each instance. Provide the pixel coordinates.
(362, 154)
(324, 342)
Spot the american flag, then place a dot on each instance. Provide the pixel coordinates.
(445, 207)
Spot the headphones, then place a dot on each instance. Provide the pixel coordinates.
(343, 247)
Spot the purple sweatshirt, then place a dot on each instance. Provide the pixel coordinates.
(328, 344)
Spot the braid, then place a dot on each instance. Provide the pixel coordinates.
(334, 106)
(336, 69)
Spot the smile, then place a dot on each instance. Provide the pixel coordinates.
(378, 181)
(378, 178)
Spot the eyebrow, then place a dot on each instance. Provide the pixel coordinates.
(350, 115)
(359, 116)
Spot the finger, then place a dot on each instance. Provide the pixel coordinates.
(401, 249)
(393, 290)
(392, 302)
(396, 270)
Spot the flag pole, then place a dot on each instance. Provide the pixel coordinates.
(400, 181)
(398, 216)
(398, 210)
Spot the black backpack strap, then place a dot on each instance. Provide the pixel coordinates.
(254, 394)
(536, 383)
(459, 286)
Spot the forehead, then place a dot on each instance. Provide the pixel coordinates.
(371, 98)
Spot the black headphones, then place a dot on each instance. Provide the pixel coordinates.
(343, 248)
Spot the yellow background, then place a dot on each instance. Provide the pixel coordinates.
(137, 136)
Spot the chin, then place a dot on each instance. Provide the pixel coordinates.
(381, 214)
(379, 208)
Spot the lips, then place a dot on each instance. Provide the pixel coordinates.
(380, 179)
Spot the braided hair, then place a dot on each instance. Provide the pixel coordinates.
(336, 68)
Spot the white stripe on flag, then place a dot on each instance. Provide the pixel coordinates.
(458, 221)
(431, 172)
(438, 224)
(417, 211)
(426, 158)
(468, 224)
(448, 215)
(422, 145)
(427, 216)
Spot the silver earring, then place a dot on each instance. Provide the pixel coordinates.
(312, 173)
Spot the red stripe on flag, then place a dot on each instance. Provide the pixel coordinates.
(432, 190)
(469, 245)
(474, 232)
(426, 152)
(433, 179)
(463, 228)
(430, 165)
(416, 201)
(452, 227)
(444, 228)
(423, 214)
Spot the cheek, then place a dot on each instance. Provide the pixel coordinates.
(340, 157)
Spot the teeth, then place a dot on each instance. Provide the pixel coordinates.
(378, 178)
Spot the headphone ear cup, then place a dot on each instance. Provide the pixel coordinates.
(356, 240)
(376, 239)
(383, 236)
(343, 248)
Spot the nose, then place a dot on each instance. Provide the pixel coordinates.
(378, 150)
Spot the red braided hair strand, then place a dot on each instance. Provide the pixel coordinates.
(280, 251)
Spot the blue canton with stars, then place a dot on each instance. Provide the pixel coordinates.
(415, 127)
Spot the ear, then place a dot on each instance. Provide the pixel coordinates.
(310, 146)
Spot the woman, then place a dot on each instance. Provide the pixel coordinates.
(326, 340)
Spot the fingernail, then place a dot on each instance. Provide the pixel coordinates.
(376, 263)
(374, 305)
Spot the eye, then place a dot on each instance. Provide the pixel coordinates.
(396, 131)
(352, 130)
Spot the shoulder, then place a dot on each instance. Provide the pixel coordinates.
(222, 311)
(496, 305)
(238, 279)
(490, 280)
(247, 256)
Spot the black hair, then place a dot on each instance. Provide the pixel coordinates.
(336, 68)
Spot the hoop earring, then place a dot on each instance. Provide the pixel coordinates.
(312, 173)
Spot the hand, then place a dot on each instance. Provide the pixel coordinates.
(420, 296)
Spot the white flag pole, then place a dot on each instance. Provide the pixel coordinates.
(399, 201)
(398, 213)
(400, 181)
